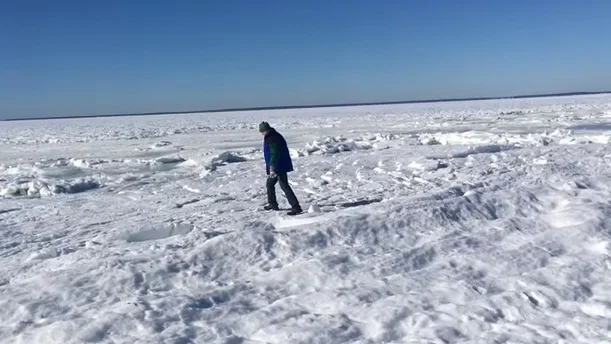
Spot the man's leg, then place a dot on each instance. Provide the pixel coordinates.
(290, 195)
(272, 202)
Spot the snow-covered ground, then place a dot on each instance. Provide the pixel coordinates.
(467, 222)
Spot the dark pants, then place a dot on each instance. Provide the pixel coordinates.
(284, 184)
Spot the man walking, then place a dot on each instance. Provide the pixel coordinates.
(277, 164)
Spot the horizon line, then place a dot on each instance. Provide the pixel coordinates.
(288, 107)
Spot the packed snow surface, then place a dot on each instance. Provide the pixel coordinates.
(466, 222)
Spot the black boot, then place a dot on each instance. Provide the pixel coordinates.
(271, 207)
(295, 211)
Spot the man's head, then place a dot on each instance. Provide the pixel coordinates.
(264, 128)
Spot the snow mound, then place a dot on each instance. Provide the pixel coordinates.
(83, 163)
(222, 159)
(429, 140)
(65, 172)
(161, 144)
(166, 160)
(338, 144)
(314, 208)
(47, 253)
(295, 153)
(427, 165)
(190, 163)
(333, 145)
(43, 188)
(330, 145)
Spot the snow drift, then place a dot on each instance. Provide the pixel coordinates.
(222, 159)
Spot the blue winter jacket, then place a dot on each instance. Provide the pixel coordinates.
(276, 153)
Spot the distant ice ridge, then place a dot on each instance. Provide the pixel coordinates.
(338, 144)
(557, 136)
(97, 129)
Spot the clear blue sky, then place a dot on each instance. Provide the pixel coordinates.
(62, 58)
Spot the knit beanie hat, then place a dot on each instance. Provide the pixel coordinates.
(264, 126)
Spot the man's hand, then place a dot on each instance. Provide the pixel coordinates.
(272, 173)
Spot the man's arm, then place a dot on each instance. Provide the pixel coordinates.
(272, 143)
